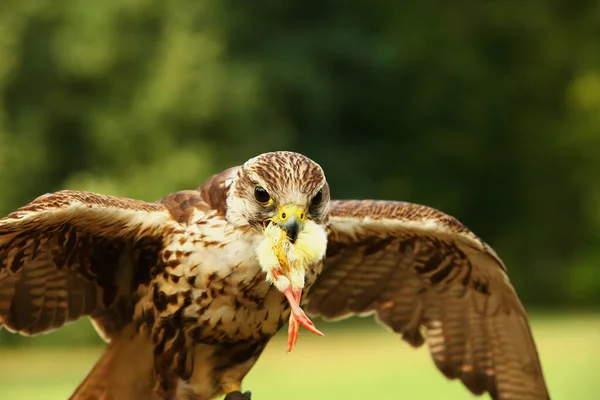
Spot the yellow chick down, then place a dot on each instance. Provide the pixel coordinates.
(276, 252)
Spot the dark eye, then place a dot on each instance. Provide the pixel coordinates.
(317, 199)
(261, 195)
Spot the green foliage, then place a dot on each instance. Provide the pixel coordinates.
(488, 111)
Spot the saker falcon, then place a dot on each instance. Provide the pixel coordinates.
(188, 291)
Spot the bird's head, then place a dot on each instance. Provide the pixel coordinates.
(284, 197)
(282, 187)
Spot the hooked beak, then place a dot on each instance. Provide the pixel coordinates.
(291, 219)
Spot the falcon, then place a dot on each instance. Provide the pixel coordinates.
(188, 291)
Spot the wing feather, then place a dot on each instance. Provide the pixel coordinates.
(69, 254)
(415, 268)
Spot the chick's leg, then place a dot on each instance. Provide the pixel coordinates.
(293, 325)
(298, 314)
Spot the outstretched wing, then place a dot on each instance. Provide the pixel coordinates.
(415, 267)
(69, 254)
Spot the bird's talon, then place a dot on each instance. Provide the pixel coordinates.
(237, 395)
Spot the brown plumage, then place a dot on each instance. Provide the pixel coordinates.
(415, 267)
(176, 288)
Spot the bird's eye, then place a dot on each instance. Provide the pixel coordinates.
(317, 199)
(261, 195)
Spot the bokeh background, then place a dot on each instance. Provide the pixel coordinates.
(489, 111)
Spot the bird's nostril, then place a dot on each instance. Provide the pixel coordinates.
(301, 216)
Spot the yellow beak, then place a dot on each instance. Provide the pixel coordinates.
(291, 219)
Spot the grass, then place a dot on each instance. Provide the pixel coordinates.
(356, 363)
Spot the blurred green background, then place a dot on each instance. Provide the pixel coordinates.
(487, 111)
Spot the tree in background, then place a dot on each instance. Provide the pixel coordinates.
(486, 111)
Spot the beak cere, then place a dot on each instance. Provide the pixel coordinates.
(291, 227)
(291, 219)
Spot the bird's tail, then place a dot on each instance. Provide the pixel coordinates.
(124, 372)
(95, 384)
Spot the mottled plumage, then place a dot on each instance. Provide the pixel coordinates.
(177, 290)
